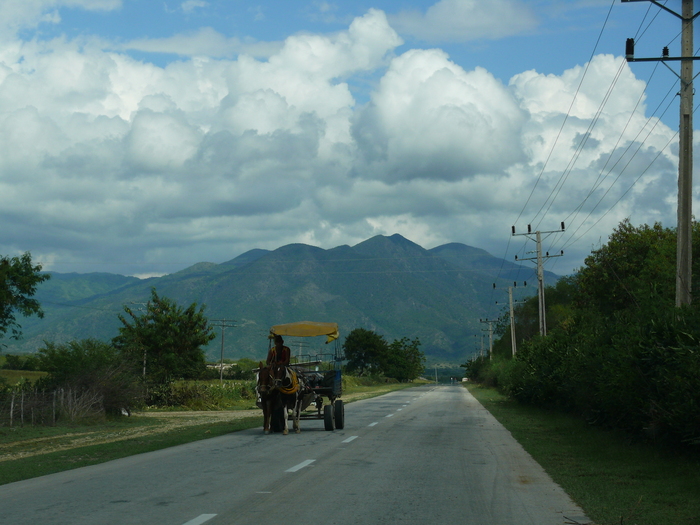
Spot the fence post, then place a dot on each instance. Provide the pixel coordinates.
(12, 407)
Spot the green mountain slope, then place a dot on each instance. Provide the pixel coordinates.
(387, 284)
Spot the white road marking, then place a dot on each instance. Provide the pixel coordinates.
(200, 519)
(351, 438)
(390, 415)
(400, 409)
(301, 465)
(372, 424)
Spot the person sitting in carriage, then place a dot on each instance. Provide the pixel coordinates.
(279, 355)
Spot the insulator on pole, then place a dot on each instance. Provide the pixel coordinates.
(629, 49)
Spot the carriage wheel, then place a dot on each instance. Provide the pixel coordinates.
(339, 410)
(328, 420)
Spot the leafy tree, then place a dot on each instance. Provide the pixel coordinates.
(16, 362)
(636, 264)
(243, 369)
(94, 366)
(364, 350)
(618, 351)
(403, 360)
(18, 282)
(167, 340)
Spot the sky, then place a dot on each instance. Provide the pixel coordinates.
(142, 136)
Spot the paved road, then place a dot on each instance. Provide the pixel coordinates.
(422, 455)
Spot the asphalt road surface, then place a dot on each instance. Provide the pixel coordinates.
(430, 454)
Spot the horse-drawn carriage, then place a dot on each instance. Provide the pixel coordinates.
(297, 391)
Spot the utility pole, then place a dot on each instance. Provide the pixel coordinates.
(540, 270)
(144, 308)
(490, 331)
(684, 230)
(223, 323)
(512, 314)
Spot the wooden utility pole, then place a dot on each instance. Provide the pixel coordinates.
(540, 271)
(684, 230)
(223, 323)
(490, 330)
(511, 310)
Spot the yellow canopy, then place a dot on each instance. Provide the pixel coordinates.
(307, 329)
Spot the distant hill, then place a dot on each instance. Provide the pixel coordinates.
(387, 284)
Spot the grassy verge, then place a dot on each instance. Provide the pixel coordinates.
(76, 452)
(14, 376)
(616, 481)
(40, 465)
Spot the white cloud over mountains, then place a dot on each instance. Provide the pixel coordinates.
(108, 163)
(464, 20)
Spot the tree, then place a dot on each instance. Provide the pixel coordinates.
(637, 263)
(364, 350)
(403, 360)
(167, 340)
(91, 366)
(18, 282)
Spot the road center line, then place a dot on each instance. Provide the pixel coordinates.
(390, 415)
(372, 424)
(200, 519)
(301, 465)
(351, 438)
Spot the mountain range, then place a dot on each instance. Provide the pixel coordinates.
(387, 284)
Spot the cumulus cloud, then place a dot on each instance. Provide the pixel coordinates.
(466, 20)
(431, 119)
(16, 15)
(204, 42)
(108, 163)
(191, 5)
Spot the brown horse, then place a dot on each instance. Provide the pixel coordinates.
(278, 390)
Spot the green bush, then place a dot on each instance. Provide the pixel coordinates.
(195, 395)
(91, 366)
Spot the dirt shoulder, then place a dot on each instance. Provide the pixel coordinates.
(165, 422)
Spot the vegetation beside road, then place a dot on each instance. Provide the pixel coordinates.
(616, 479)
(617, 351)
(31, 451)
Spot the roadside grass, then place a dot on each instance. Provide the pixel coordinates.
(615, 479)
(40, 465)
(33, 439)
(14, 376)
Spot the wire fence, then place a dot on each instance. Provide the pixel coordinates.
(34, 407)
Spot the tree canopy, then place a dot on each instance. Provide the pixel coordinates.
(363, 349)
(368, 353)
(617, 351)
(18, 282)
(91, 365)
(167, 339)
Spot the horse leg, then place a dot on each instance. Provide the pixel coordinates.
(266, 416)
(297, 414)
(285, 428)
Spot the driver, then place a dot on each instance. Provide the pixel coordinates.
(279, 355)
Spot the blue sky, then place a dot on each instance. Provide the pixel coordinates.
(139, 137)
